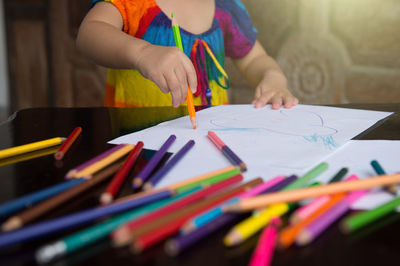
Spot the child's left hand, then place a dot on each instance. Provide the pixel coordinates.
(273, 90)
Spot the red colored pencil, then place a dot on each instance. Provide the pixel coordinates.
(119, 178)
(121, 235)
(67, 143)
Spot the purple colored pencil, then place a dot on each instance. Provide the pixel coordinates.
(233, 158)
(82, 166)
(154, 179)
(151, 165)
(177, 245)
(313, 230)
(285, 182)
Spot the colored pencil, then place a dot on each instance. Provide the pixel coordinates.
(264, 251)
(307, 177)
(359, 220)
(189, 96)
(67, 143)
(182, 242)
(26, 201)
(260, 218)
(95, 159)
(202, 180)
(36, 211)
(212, 214)
(289, 234)
(339, 175)
(250, 226)
(313, 230)
(392, 189)
(121, 236)
(28, 156)
(101, 230)
(97, 166)
(312, 192)
(152, 233)
(30, 147)
(156, 177)
(119, 178)
(306, 210)
(76, 219)
(230, 155)
(152, 163)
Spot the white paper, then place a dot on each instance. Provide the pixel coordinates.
(270, 142)
(357, 156)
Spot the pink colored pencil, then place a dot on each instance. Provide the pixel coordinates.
(313, 230)
(261, 187)
(308, 209)
(264, 251)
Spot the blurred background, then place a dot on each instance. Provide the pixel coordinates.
(332, 51)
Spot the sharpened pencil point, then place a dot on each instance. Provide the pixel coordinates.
(11, 224)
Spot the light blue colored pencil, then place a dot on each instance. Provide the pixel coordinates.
(26, 201)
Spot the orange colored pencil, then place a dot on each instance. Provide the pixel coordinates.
(189, 96)
(119, 178)
(68, 143)
(289, 234)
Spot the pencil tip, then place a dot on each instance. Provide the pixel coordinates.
(12, 224)
(106, 198)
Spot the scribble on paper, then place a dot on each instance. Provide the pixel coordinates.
(307, 125)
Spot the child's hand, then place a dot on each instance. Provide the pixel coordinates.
(273, 89)
(170, 69)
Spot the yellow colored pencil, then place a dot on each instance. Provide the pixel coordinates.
(90, 170)
(251, 225)
(30, 147)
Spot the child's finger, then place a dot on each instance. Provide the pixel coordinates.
(181, 77)
(174, 88)
(191, 76)
(276, 102)
(162, 84)
(263, 99)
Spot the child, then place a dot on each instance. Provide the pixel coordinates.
(134, 38)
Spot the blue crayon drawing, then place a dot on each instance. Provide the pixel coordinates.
(307, 125)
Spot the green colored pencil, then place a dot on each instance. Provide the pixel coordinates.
(208, 181)
(364, 218)
(306, 178)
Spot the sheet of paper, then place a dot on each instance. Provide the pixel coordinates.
(357, 156)
(270, 142)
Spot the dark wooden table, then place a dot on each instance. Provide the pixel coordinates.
(378, 244)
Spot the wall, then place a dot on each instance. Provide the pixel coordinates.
(332, 51)
(4, 99)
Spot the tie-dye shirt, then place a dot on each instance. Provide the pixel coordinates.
(232, 34)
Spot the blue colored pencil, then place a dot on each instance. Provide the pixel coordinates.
(26, 201)
(152, 163)
(77, 219)
(154, 179)
(392, 189)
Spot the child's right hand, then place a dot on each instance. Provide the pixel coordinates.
(170, 69)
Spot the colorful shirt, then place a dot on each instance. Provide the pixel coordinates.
(232, 34)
